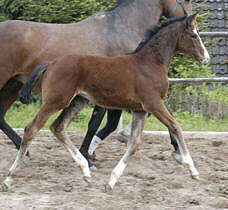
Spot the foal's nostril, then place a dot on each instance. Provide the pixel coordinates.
(204, 60)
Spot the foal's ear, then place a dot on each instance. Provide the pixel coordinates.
(191, 19)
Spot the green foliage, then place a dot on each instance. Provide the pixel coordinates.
(20, 116)
(51, 11)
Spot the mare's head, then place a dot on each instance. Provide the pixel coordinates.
(177, 8)
(190, 42)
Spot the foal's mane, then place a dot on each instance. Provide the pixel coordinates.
(152, 31)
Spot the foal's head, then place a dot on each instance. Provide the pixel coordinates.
(190, 41)
(175, 34)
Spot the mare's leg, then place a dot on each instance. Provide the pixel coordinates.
(59, 127)
(30, 131)
(133, 143)
(158, 109)
(94, 123)
(111, 125)
(8, 95)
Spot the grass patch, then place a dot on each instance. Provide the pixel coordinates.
(20, 116)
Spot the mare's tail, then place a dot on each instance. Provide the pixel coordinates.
(25, 92)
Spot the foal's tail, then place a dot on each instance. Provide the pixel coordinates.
(25, 92)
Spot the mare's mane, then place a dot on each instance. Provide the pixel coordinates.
(117, 4)
(152, 31)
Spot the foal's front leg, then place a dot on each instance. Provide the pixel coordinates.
(183, 156)
(138, 120)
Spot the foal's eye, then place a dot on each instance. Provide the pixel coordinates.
(194, 36)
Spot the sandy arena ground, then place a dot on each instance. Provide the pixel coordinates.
(152, 180)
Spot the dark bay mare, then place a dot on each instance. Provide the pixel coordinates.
(137, 81)
(24, 44)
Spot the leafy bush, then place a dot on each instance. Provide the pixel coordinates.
(51, 11)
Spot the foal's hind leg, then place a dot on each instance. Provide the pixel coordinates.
(159, 110)
(30, 131)
(133, 143)
(58, 129)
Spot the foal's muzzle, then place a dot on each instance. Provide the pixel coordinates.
(205, 60)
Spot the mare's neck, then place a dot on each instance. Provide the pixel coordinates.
(133, 17)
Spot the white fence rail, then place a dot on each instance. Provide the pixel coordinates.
(214, 34)
(195, 80)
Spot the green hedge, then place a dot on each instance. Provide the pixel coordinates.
(51, 11)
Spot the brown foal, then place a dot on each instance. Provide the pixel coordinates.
(137, 81)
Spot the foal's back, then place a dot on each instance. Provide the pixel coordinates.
(96, 78)
(112, 82)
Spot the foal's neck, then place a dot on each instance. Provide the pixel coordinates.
(161, 48)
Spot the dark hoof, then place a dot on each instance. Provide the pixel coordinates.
(88, 180)
(28, 154)
(4, 187)
(123, 138)
(24, 99)
(26, 160)
(93, 168)
(196, 177)
(93, 157)
(108, 188)
(177, 156)
(199, 179)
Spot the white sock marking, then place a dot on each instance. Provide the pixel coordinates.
(80, 160)
(94, 144)
(83, 163)
(188, 159)
(116, 173)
